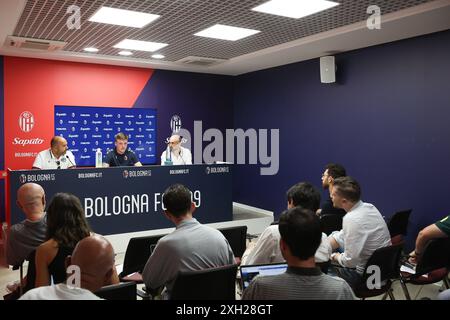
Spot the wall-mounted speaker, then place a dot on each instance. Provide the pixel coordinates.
(327, 69)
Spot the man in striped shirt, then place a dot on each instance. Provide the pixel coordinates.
(300, 238)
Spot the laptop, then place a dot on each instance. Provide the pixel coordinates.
(137, 276)
(251, 271)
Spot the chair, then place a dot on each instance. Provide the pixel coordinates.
(324, 266)
(388, 261)
(237, 238)
(208, 284)
(119, 291)
(138, 251)
(330, 223)
(398, 225)
(434, 263)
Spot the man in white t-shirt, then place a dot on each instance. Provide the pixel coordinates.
(267, 248)
(56, 157)
(94, 257)
(178, 155)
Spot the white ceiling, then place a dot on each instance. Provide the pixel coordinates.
(281, 40)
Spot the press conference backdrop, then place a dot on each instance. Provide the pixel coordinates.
(88, 128)
(120, 200)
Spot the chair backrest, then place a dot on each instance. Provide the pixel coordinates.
(435, 255)
(4, 238)
(398, 223)
(138, 251)
(208, 284)
(324, 266)
(236, 237)
(330, 223)
(119, 291)
(388, 261)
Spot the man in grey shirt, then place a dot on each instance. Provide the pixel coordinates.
(192, 246)
(24, 237)
(300, 238)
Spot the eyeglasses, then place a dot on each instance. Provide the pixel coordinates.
(58, 163)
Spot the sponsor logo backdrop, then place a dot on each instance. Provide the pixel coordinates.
(33, 87)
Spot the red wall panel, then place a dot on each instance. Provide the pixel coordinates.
(36, 86)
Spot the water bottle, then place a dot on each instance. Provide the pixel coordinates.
(98, 158)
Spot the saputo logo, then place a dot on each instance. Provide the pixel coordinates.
(25, 142)
(26, 124)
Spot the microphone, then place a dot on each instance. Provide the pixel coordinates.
(68, 158)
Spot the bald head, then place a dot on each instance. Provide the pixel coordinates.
(94, 256)
(175, 138)
(58, 145)
(31, 200)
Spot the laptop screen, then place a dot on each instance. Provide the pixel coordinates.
(249, 272)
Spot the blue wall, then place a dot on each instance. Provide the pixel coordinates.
(192, 96)
(386, 120)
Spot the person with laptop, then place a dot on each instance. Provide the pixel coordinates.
(267, 248)
(300, 237)
(192, 246)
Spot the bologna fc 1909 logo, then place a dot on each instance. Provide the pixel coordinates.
(175, 123)
(23, 178)
(26, 121)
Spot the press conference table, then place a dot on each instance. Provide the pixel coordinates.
(129, 199)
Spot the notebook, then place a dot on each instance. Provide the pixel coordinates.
(251, 271)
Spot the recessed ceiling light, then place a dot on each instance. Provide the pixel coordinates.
(122, 17)
(158, 56)
(294, 8)
(90, 49)
(125, 53)
(220, 31)
(140, 45)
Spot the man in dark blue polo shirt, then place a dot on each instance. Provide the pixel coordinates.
(121, 156)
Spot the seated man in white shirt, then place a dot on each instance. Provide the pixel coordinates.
(175, 153)
(56, 157)
(363, 231)
(267, 248)
(94, 256)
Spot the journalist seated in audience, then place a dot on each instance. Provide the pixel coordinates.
(66, 225)
(192, 246)
(267, 248)
(440, 229)
(300, 237)
(92, 266)
(332, 171)
(363, 231)
(24, 237)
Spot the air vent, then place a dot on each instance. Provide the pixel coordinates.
(34, 44)
(200, 61)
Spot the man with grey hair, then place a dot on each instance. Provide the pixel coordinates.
(94, 258)
(25, 236)
(175, 153)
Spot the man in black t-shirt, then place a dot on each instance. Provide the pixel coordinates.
(332, 171)
(121, 156)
